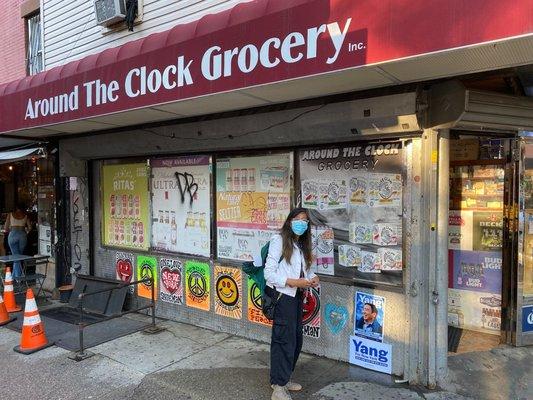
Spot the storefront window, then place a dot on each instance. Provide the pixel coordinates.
(181, 205)
(125, 203)
(356, 193)
(475, 234)
(252, 201)
(527, 207)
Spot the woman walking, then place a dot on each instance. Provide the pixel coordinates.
(288, 275)
(17, 224)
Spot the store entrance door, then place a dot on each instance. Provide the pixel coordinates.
(481, 241)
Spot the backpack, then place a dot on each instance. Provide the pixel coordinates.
(257, 274)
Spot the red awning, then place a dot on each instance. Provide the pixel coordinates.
(269, 51)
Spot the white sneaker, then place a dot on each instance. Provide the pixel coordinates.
(291, 386)
(280, 393)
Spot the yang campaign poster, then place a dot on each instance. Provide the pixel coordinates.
(369, 316)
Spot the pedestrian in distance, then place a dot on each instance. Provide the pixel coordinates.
(18, 225)
(288, 276)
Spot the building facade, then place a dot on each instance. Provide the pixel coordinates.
(183, 145)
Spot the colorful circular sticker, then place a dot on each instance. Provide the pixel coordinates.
(255, 296)
(311, 305)
(227, 290)
(197, 284)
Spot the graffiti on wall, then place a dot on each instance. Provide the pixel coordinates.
(79, 225)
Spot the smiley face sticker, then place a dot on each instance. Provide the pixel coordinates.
(228, 286)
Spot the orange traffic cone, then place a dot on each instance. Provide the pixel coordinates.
(4, 315)
(33, 338)
(9, 294)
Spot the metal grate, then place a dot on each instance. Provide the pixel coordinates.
(34, 57)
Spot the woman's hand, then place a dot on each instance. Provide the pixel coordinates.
(315, 281)
(299, 283)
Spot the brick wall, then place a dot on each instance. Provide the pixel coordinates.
(12, 48)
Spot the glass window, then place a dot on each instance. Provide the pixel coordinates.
(181, 205)
(126, 208)
(356, 193)
(34, 46)
(253, 199)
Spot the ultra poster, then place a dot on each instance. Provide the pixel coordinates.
(171, 275)
(197, 285)
(228, 286)
(125, 204)
(356, 191)
(147, 268)
(253, 200)
(181, 198)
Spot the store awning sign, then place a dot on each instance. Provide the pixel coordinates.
(255, 43)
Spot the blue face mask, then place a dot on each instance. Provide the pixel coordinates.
(299, 226)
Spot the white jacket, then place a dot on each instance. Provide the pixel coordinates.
(277, 272)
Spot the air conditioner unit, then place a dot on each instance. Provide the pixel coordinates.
(109, 12)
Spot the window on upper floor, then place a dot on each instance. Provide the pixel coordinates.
(34, 45)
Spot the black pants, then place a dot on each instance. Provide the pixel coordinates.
(287, 337)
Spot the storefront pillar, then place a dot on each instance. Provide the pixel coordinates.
(441, 268)
(427, 279)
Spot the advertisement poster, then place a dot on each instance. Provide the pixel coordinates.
(357, 192)
(460, 230)
(124, 270)
(311, 317)
(197, 285)
(228, 287)
(488, 231)
(125, 204)
(181, 196)
(253, 200)
(322, 239)
(171, 275)
(369, 316)
(477, 271)
(527, 318)
(254, 305)
(147, 268)
(370, 354)
(474, 311)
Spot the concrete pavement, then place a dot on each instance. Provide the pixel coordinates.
(186, 362)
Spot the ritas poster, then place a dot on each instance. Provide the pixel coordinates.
(171, 275)
(369, 316)
(125, 204)
(197, 285)
(311, 313)
(357, 192)
(253, 200)
(254, 305)
(181, 195)
(147, 268)
(124, 270)
(228, 286)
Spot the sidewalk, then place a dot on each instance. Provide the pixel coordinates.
(186, 362)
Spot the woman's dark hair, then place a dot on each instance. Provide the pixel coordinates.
(20, 207)
(303, 241)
